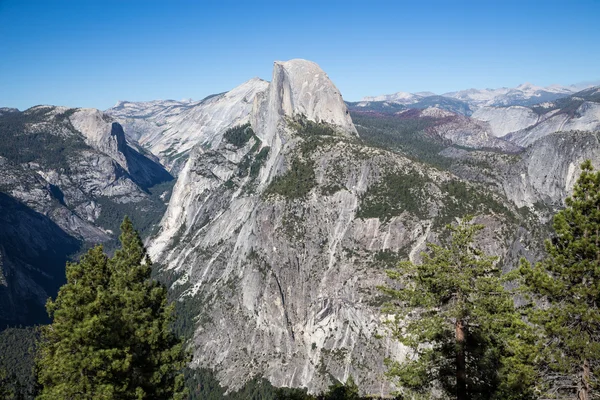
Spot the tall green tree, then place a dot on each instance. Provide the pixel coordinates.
(110, 337)
(459, 322)
(564, 290)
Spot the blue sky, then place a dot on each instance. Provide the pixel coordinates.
(89, 53)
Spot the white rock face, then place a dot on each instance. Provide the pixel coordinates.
(504, 120)
(299, 87)
(287, 283)
(586, 118)
(98, 131)
(170, 129)
(539, 178)
(550, 168)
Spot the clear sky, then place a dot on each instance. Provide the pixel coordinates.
(90, 53)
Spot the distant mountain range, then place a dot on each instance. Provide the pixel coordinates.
(525, 94)
(469, 122)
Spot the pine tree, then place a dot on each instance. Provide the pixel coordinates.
(110, 337)
(453, 312)
(5, 390)
(565, 293)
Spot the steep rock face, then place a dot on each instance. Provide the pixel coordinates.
(305, 89)
(170, 129)
(278, 243)
(540, 178)
(504, 120)
(298, 88)
(549, 168)
(585, 118)
(285, 285)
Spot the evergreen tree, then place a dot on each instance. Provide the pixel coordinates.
(110, 337)
(453, 313)
(5, 390)
(564, 290)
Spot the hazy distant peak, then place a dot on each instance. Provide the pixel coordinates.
(526, 94)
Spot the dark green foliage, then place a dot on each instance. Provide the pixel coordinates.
(387, 258)
(299, 180)
(42, 146)
(110, 336)
(387, 107)
(342, 391)
(296, 183)
(332, 188)
(249, 167)
(252, 162)
(145, 214)
(239, 135)
(204, 385)
(462, 199)
(259, 160)
(460, 323)
(567, 285)
(9, 388)
(305, 128)
(337, 391)
(17, 349)
(406, 135)
(395, 193)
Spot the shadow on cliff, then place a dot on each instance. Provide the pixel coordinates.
(33, 254)
(143, 170)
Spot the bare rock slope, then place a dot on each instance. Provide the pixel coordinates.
(170, 129)
(278, 236)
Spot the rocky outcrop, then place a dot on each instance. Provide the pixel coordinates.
(550, 167)
(524, 125)
(540, 178)
(170, 129)
(585, 118)
(278, 243)
(504, 120)
(301, 87)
